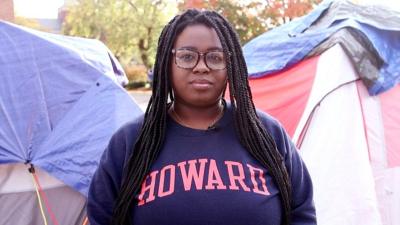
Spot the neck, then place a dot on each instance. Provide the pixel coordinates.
(196, 117)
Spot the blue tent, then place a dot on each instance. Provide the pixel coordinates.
(288, 44)
(61, 99)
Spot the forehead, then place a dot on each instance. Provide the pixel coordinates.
(199, 37)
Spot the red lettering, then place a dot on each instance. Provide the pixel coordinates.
(261, 177)
(193, 174)
(149, 188)
(240, 178)
(161, 191)
(214, 179)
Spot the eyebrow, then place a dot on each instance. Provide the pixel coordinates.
(194, 48)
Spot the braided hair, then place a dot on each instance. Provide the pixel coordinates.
(252, 134)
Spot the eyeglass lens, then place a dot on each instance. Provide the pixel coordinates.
(188, 59)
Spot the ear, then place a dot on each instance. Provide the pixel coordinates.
(224, 90)
(171, 94)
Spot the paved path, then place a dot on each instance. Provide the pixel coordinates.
(141, 98)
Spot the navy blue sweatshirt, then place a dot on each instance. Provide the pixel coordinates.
(202, 177)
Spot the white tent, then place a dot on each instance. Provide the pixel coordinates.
(344, 147)
(331, 78)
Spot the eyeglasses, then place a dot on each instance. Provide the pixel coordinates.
(188, 59)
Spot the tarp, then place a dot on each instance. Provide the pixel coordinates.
(286, 45)
(60, 102)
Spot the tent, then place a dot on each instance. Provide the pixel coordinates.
(332, 79)
(61, 99)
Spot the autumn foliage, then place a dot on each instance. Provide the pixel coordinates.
(252, 18)
(282, 11)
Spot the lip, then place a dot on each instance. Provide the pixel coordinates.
(201, 84)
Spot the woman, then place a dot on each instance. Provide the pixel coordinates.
(193, 158)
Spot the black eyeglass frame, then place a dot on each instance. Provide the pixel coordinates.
(200, 54)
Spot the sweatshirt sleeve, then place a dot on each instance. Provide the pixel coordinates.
(106, 180)
(303, 209)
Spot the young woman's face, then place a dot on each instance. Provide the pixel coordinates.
(198, 84)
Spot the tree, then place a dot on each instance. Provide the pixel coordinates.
(240, 15)
(251, 19)
(26, 22)
(130, 28)
(283, 11)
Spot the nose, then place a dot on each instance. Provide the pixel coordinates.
(201, 66)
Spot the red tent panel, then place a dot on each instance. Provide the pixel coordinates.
(284, 95)
(390, 108)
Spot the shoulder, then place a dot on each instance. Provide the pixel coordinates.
(118, 151)
(107, 179)
(303, 210)
(270, 123)
(121, 143)
(277, 132)
(130, 129)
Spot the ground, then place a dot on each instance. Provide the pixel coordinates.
(141, 97)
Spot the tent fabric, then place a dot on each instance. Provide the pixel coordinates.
(362, 53)
(348, 130)
(387, 177)
(329, 79)
(381, 115)
(22, 208)
(15, 177)
(374, 129)
(19, 203)
(389, 102)
(288, 44)
(60, 102)
(334, 146)
(338, 162)
(342, 139)
(388, 191)
(285, 95)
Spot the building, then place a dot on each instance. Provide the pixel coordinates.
(7, 10)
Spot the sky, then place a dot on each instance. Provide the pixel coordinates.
(49, 8)
(37, 8)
